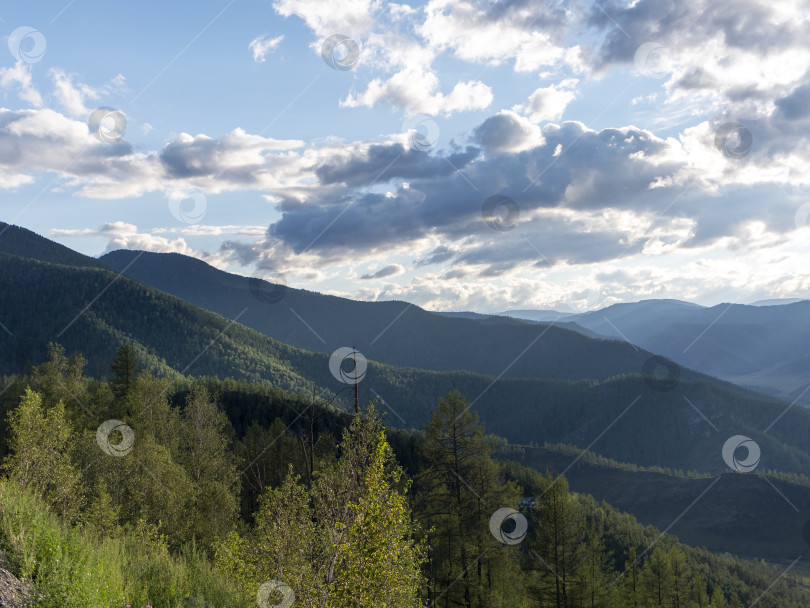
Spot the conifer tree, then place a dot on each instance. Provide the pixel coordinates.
(124, 369)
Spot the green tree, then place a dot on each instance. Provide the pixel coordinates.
(596, 573)
(41, 445)
(459, 490)
(632, 588)
(559, 543)
(60, 379)
(267, 454)
(346, 541)
(718, 599)
(657, 578)
(208, 458)
(681, 575)
(699, 594)
(124, 369)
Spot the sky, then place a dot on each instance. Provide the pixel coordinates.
(457, 154)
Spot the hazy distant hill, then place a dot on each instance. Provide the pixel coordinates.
(93, 311)
(397, 333)
(764, 346)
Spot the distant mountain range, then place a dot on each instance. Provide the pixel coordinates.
(764, 346)
(396, 333)
(530, 382)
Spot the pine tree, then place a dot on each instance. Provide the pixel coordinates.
(657, 577)
(596, 574)
(558, 541)
(461, 486)
(699, 595)
(718, 599)
(124, 369)
(679, 591)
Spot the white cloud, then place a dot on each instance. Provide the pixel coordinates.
(416, 90)
(19, 77)
(122, 235)
(72, 96)
(261, 46)
(524, 32)
(549, 103)
(327, 17)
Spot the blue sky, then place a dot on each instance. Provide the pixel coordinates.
(650, 148)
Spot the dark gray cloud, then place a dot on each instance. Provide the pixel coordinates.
(595, 171)
(440, 254)
(744, 24)
(190, 158)
(384, 162)
(386, 271)
(796, 105)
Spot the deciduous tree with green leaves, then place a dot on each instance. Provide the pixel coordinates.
(346, 542)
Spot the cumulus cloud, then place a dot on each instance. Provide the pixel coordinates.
(262, 46)
(527, 32)
(416, 90)
(508, 132)
(549, 103)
